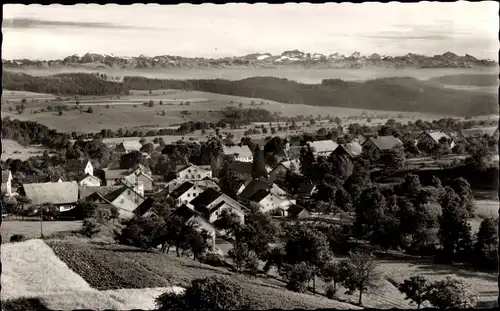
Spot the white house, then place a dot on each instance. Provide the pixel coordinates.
(270, 202)
(88, 181)
(185, 193)
(323, 147)
(125, 199)
(7, 182)
(128, 146)
(432, 139)
(211, 203)
(193, 172)
(240, 153)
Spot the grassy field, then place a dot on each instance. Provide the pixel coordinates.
(128, 111)
(13, 150)
(31, 229)
(108, 267)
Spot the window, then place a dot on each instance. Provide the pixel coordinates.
(188, 195)
(129, 192)
(189, 171)
(199, 176)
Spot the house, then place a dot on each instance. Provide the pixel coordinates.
(88, 181)
(206, 183)
(323, 147)
(193, 172)
(211, 203)
(270, 202)
(125, 199)
(140, 181)
(185, 193)
(61, 194)
(81, 167)
(306, 190)
(145, 208)
(55, 178)
(6, 182)
(292, 166)
(297, 212)
(360, 139)
(128, 146)
(479, 132)
(239, 153)
(201, 223)
(432, 139)
(383, 143)
(86, 192)
(246, 191)
(350, 150)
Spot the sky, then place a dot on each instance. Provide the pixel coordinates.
(208, 30)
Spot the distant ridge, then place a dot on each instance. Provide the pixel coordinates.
(256, 60)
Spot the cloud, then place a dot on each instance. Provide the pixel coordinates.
(24, 23)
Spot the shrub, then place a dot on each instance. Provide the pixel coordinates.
(297, 276)
(17, 238)
(90, 110)
(207, 293)
(90, 227)
(330, 291)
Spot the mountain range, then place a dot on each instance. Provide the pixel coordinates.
(256, 60)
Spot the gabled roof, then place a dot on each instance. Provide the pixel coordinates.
(185, 167)
(295, 210)
(241, 167)
(131, 145)
(5, 175)
(353, 149)
(385, 142)
(111, 196)
(288, 164)
(259, 195)
(360, 139)
(242, 151)
(145, 206)
(479, 131)
(103, 190)
(55, 193)
(436, 136)
(206, 183)
(77, 164)
(82, 177)
(254, 186)
(203, 210)
(132, 178)
(323, 145)
(181, 189)
(115, 174)
(206, 197)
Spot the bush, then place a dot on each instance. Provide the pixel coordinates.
(297, 276)
(207, 293)
(17, 238)
(90, 227)
(212, 260)
(330, 291)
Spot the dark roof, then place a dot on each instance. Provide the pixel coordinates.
(259, 195)
(76, 164)
(385, 142)
(181, 189)
(203, 210)
(184, 212)
(295, 210)
(306, 188)
(115, 174)
(254, 186)
(206, 197)
(103, 190)
(145, 206)
(111, 196)
(241, 167)
(353, 149)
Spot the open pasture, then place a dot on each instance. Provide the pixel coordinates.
(13, 150)
(31, 229)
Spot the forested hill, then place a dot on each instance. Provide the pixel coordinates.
(392, 94)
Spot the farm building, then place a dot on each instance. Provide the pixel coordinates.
(128, 146)
(87, 192)
(145, 208)
(81, 167)
(140, 181)
(350, 150)
(479, 132)
(188, 173)
(185, 193)
(270, 202)
(114, 177)
(239, 153)
(211, 203)
(250, 188)
(125, 199)
(6, 182)
(323, 147)
(428, 140)
(283, 167)
(61, 194)
(383, 143)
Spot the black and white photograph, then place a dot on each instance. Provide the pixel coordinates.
(250, 156)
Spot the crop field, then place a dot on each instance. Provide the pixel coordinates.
(13, 150)
(129, 111)
(108, 267)
(31, 229)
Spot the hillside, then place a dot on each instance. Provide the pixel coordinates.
(464, 79)
(287, 58)
(389, 94)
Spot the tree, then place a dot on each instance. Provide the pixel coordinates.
(114, 213)
(239, 254)
(207, 293)
(362, 275)
(307, 162)
(259, 164)
(90, 227)
(335, 272)
(417, 289)
(370, 213)
(452, 293)
(90, 110)
(131, 160)
(229, 181)
(297, 276)
(485, 247)
(148, 148)
(21, 203)
(309, 246)
(393, 160)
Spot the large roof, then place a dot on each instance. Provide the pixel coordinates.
(479, 131)
(259, 195)
(254, 186)
(104, 190)
(181, 189)
(55, 193)
(132, 145)
(206, 197)
(115, 174)
(145, 206)
(242, 151)
(436, 136)
(294, 210)
(353, 149)
(385, 142)
(323, 145)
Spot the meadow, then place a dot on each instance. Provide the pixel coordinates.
(31, 229)
(13, 150)
(128, 112)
